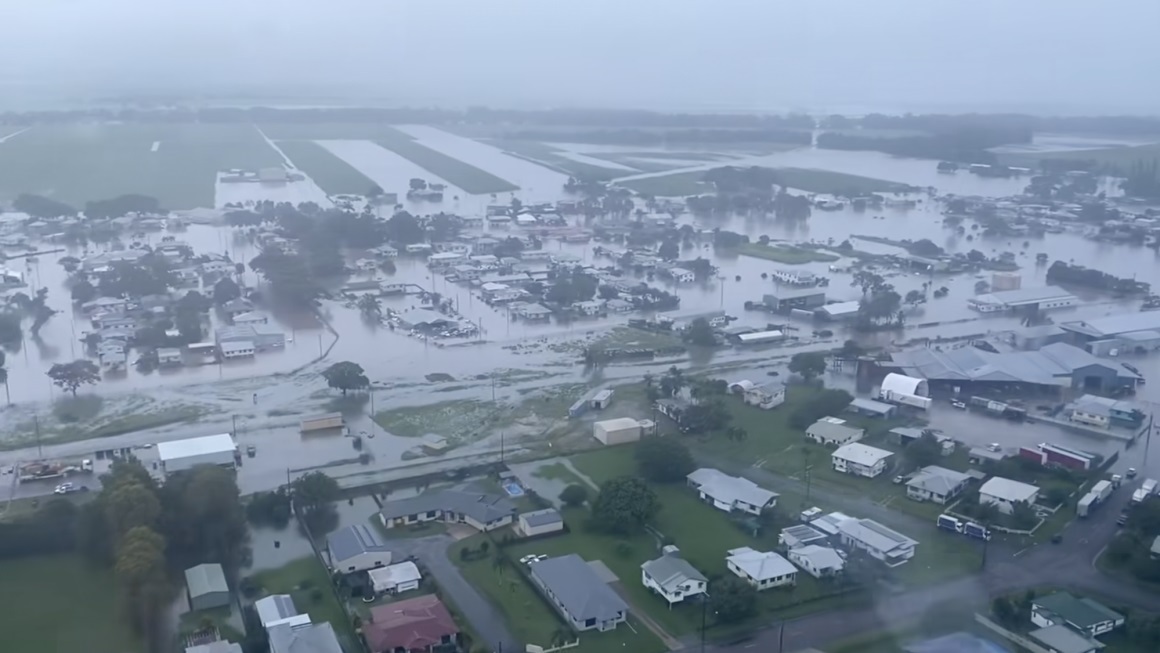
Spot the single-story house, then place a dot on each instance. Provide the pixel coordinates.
(1004, 493)
(220, 646)
(881, 543)
(730, 493)
(1061, 639)
(860, 459)
(275, 608)
(236, 307)
(937, 484)
(761, 569)
(412, 626)
(539, 522)
(871, 408)
(356, 548)
(817, 561)
(167, 356)
(206, 585)
(239, 349)
(291, 637)
(252, 317)
(479, 510)
(798, 535)
(835, 431)
(1082, 614)
(396, 578)
(579, 593)
(673, 578)
(765, 396)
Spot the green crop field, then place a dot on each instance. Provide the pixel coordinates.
(332, 174)
(455, 172)
(83, 162)
(1116, 160)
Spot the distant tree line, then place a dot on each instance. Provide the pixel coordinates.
(969, 145)
(1064, 273)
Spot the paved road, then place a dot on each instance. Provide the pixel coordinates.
(489, 622)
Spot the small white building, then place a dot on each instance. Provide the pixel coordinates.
(878, 541)
(761, 569)
(241, 349)
(617, 431)
(179, 455)
(444, 260)
(252, 317)
(765, 396)
(860, 459)
(936, 484)
(817, 561)
(731, 493)
(681, 275)
(672, 577)
(1004, 493)
(834, 431)
(356, 548)
(395, 579)
(539, 522)
(276, 608)
(167, 356)
(905, 390)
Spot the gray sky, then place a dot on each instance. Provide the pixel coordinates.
(1058, 56)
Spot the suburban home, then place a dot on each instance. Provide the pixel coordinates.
(356, 548)
(833, 430)
(672, 577)
(168, 356)
(579, 593)
(1081, 614)
(937, 484)
(1061, 639)
(817, 561)
(296, 637)
(761, 569)
(206, 584)
(252, 317)
(881, 543)
(276, 609)
(681, 275)
(766, 397)
(483, 512)
(829, 523)
(417, 625)
(1004, 493)
(589, 308)
(1099, 411)
(860, 459)
(395, 579)
(798, 535)
(731, 493)
(539, 522)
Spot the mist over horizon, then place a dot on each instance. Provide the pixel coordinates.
(840, 56)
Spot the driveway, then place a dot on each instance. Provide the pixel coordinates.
(489, 622)
(642, 617)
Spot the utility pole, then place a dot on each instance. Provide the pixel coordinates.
(234, 425)
(36, 425)
(704, 609)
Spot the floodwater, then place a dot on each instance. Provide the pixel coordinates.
(397, 363)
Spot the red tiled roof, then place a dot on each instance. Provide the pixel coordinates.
(414, 624)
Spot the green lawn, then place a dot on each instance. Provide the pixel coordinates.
(332, 174)
(308, 582)
(457, 173)
(81, 162)
(558, 472)
(787, 254)
(58, 603)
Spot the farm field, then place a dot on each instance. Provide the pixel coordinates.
(38, 616)
(332, 174)
(465, 176)
(1118, 160)
(558, 160)
(177, 164)
(809, 180)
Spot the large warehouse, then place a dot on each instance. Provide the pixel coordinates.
(1127, 332)
(179, 455)
(1041, 299)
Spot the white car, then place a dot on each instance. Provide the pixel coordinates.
(64, 488)
(529, 559)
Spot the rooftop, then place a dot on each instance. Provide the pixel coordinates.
(1062, 639)
(938, 480)
(1051, 365)
(414, 624)
(822, 557)
(803, 533)
(1114, 325)
(871, 406)
(576, 586)
(352, 541)
(760, 565)
(205, 579)
(827, 427)
(1008, 490)
(729, 489)
(275, 608)
(1081, 613)
(1096, 405)
(542, 517)
(303, 638)
(480, 506)
(861, 454)
(669, 571)
(1024, 296)
(190, 447)
(875, 535)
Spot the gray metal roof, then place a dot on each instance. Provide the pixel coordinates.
(670, 571)
(1062, 639)
(1114, 325)
(481, 507)
(306, 638)
(1022, 296)
(205, 579)
(353, 541)
(542, 517)
(938, 480)
(577, 587)
(827, 429)
(275, 607)
(803, 533)
(1051, 365)
(870, 405)
(1096, 405)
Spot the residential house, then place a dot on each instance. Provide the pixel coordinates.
(1081, 614)
(860, 460)
(833, 431)
(730, 493)
(799, 535)
(263, 336)
(533, 312)
(206, 587)
(817, 561)
(293, 637)
(765, 396)
(618, 306)
(466, 272)
(239, 349)
(673, 578)
(210, 268)
(479, 510)
(114, 304)
(681, 275)
(396, 578)
(356, 548)
(1103, 412)
(168, 356)
(936, 484)
(417, 625)
(1004, 493)
(579, 593)
(539, 522)
(878, 541)
(1061, 639)
(761, 569)
(589, 308)
(275, 609)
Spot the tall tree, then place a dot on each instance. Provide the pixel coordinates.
(204, 519)
(624, 505)
(663, 460)
(809, 365)
(346, 376)
(314, 491)
(130, 506)
(733, 600)
(71, 376)
(225, 290)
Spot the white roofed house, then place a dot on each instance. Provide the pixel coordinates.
(356, 548)
(878, 541)
(395, 579)
(817, 561)
(731, 493)
(936, 484)
(673, 578)
(834, 430)
(761, 569)
(860, 460)
(1004, 493)
(765, 396)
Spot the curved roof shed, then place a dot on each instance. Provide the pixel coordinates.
(905, 385)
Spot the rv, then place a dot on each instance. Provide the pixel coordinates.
(948, 523)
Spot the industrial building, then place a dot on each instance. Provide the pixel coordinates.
(1030, 299)
(1130, 331)
(783, 300)
(180, 455)
(838, 311)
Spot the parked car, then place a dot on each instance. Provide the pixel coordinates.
(251, 451)
(1131, 472)
(958, 404)
(65, 488)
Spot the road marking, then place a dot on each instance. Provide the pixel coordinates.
(1021, 552)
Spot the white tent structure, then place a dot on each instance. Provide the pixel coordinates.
(905, 390)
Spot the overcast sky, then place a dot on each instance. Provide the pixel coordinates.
(1060, 56)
